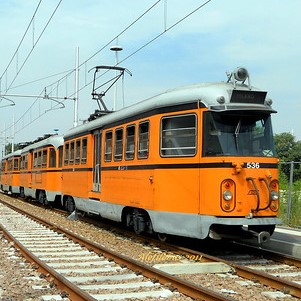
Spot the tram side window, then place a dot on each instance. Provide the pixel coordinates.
(178, 136)
(71, 156)
(24, 162)
(44, 158)
(35, 160)
(52, 157)
(84, 151)
(108, 147)
(118, 144)
(143, 140)
(66, 157)
(16, 164)
(39, 159)
(60, 156)
(130, 143)
(10, 164)
(77, 151)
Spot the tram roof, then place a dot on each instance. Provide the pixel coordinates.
(206, 93)
(55, 141)
(13, 154)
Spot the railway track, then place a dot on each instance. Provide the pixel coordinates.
(88, 271)
(284, 276)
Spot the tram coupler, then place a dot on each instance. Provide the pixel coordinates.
(262, 237)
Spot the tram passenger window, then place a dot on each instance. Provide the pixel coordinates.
(71, 156)
(52, 157)
(24, 162)
(108, 147)
(178, 136)
(10, 164)
(143, 140)
(130, 143)
(60, 156)
(84, 151)
(118, 144)
(16, 164)
(40, 159)
(35, 160)
(77, 152)
(44, 158)
(66, 157)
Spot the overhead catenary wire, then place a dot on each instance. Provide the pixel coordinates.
(166, 29)
(110, 41)
(22, 39)
(33, 47)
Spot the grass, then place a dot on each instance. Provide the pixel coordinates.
(294, 217)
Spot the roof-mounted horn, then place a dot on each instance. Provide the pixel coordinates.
(240, 74)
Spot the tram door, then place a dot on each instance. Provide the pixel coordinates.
(97, 161)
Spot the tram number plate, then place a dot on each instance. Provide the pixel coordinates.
(253, 165)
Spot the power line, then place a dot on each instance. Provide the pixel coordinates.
(34, 45)
(150, 41)
(166, 29)
(22, 39)
(113, 39)
(42, 78)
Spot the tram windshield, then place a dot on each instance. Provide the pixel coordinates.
(238, 135)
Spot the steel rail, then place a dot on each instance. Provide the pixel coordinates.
(273, 255)
(173, 282)
(289, 287)
(252, 274)
(74, 292)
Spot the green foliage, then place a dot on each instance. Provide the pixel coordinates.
(288, 150)
(8, 148)
(291, 202)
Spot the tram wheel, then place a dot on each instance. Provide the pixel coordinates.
(42, 198)
(69, 205)
(22, 193)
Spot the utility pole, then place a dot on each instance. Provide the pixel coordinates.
(116, 48)
(75, 120)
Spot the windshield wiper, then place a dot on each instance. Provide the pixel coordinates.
(237, 129)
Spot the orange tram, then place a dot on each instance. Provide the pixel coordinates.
(197, 161)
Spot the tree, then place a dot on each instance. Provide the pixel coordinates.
(8, 147)
(288, 150)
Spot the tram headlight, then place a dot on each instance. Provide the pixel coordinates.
(274, 195)
(227, 195)
(220, 99)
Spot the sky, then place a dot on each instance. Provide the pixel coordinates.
(162, 50)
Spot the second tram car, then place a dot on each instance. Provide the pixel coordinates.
(10, 173)
(40, 170)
